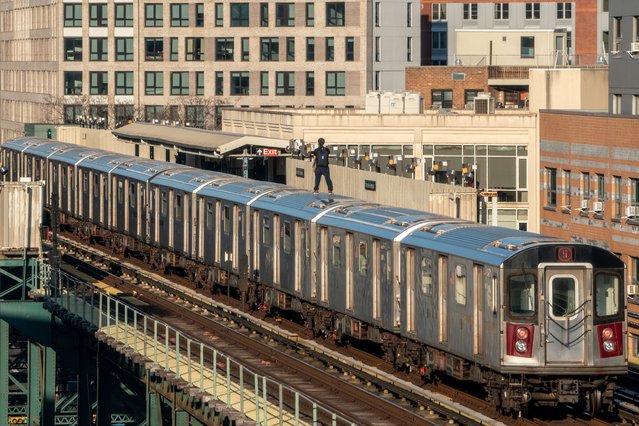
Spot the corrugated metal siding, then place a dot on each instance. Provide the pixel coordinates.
(20, 215)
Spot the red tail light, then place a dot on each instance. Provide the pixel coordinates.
(610, 340)
(519, 339)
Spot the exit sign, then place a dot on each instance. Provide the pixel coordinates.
(271, 152)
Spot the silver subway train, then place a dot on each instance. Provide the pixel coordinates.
(534, 319)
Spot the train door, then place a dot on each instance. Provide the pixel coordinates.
(410, 290)
(324, 264)
(442, 298)
(348, 292)
(478, 309)
(143, 214)
(201, 222)
(565, 314)
(297, 276)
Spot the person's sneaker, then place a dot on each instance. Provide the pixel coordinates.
(315, 192)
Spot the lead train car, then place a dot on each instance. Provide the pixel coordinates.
(535, 319)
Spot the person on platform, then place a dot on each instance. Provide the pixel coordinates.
(320, 164)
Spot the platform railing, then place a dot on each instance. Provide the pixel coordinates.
(200, 365)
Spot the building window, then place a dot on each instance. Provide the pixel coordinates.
(310, 83)
(501, 11)
(585, 185)
(153, 15)
(284, 14)
(616, 190)
(377, 13)
(124, 48)
(263, 14)
(616, 104)
(409, 49)
(124, 14)
(601, 189)
(219, 83)
(310, 49)
(245, 48)
(310, 14)
(73, 15)
(634, 270)
(124, 115)
(194, 49)
(153, 49)
(567, 190)
(179, 15)
(349, 48)
(533, 11)
(73, 49)
(409, 15)
(264, 83)
(99, 83)
(179, 83)
(124, 82)
(616, 34)
(174, 48)
(469, 97)
(564, 10)
(219, 14)
(98, 15)
(330, 49)
(470, 11)
(240, 83)
(290, 48)
(199, 14)
(199, 83)
(440, 40)
(270, 48)
(224, 48)
(439, 12)
(635, 104)
(442, 98)
(527, 47)
(154, 83)
(634, 191)
(73, 82)
(98, 49)
(239, 15)
(551, 187)
(335, 83)
(285, 83)
(335, 14)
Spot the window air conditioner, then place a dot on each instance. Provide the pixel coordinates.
(632, 211)
(634, 47)
(598, 206)
(632, 289)
(484, 104)
(584, 204)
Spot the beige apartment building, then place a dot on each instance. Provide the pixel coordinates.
(103, 63)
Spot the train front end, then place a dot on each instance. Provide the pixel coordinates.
(564, 330)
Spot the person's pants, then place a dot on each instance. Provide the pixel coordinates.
(323, 171)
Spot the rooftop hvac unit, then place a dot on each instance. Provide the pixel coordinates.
(372, 103)
(632, 289)
(584, 204)
(413, 103)
(598, 206)
(484, 104)
(632, 211)
(397, 103)
(385, 102)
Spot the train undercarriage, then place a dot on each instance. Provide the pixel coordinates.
(511, 394)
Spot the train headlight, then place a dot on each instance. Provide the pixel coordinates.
(607, 333)
(522, 333)
(609, 346)
(521, 346)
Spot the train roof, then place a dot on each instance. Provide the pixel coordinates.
(40, 146)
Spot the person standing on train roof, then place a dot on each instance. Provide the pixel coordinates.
(320, 165)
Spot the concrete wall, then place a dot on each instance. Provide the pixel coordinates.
(574, 88)
(449, 200)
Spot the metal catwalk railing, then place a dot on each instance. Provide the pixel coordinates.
(260, 398)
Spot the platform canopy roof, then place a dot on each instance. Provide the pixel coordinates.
(194, 141)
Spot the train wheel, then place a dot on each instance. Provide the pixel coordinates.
(594, 403)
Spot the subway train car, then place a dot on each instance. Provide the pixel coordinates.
(536, 320)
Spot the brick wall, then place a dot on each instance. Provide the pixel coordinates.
(427, 79)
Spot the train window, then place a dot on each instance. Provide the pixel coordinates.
(163, 203)
(132, 197)
(363, 258)
(287, 237)
(37, 170)
(427, 276)
(120, 192)
(240, 223)
(178, 207)
(337, 251)
(64, 177)
(209, 216)
(227, 220)
(522, 294)
(85, 182)
(563, 296)
(460, 284)
(307, 242)
(606, 294)
(96, 185)
(266, 231)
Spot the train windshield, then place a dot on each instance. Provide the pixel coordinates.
(522, 294)
(606, 294)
